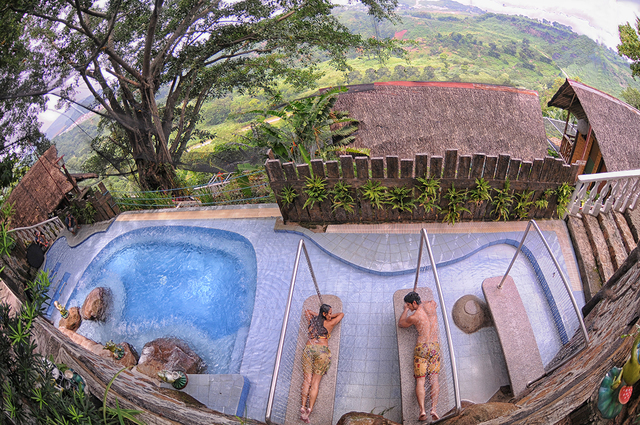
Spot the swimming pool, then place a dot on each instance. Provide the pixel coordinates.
(194, 283)
(364, 269)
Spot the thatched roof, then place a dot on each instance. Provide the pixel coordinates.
(406, 118)
(39, 192)
(615, 124)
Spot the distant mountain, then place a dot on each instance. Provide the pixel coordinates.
(68, 118)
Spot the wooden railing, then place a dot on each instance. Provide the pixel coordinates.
(50, 229)
(452, 169)
(595, 193)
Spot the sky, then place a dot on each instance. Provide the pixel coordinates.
(597, 19)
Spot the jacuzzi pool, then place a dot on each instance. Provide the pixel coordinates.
(193, 283)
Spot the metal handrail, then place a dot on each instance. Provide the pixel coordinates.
(566, 285)
(276, 369)
(456, 389)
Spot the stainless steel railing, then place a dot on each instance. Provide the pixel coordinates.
(424, 240)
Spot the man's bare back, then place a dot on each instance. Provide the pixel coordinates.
(427, 322)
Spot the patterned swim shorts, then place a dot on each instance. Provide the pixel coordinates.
(426, 359)
(316, 359)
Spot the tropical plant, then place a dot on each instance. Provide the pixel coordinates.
(6, 241)
(400, 197)
(502, 201)
(563, 193)
(543, 201)
(316, 190)
(307, 128)
(85, 214)
(481, 191)
(455, 207)
(288, 195)
(373, 192)
(523, 204)
(429, 189)
(342, 197)
(327, 152)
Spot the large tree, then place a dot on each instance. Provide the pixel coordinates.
(128, 51)
(630, 45)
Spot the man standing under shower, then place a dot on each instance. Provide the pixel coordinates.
(426, 355)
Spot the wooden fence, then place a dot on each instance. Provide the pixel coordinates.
(452, 169)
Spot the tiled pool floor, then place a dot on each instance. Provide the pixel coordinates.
(364, 266)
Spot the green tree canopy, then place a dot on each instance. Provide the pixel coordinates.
(630, 45)
(125, 51)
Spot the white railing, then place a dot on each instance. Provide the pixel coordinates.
(595, 193)
(50, 229)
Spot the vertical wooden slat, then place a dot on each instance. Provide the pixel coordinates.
(377, 168)
(392, 167)
(477, 165)
(333, 171)
(435, 168)
(362, 166)
(514, 169)
(290, 171)
(314, 213)
(547, 168)
(406, 168)
(317, 166)
(502, 167)
(450, 163)
(422, 165)
(277, 182)
(464, 166)
(346, 161)
(525, 171)
(490, 167)
(575, 168)
(274, 170)
(536, 170)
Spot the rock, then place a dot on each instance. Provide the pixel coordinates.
(86, 343)
(131, 356)
(360, 418)
(479, 413)
(471, 314)
(96, 304)
(169, 354)
(73, 320)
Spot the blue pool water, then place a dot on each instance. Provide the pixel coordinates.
(194, 283)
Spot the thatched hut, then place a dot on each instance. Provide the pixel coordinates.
(608, 129)
(406, 118)
(40, 191)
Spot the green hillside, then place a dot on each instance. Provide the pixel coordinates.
(460, 44)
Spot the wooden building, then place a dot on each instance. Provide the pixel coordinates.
(408, 118)
(608, 136)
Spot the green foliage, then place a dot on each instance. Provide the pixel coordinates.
(629, 46)
(480, 192)
(288, 195)
(400, 198)
(84, 214)
(543, 201)
(523, 204)
(304, 130)
(631, 96)
(342, 197)
(428, 198)
(455, 207)
(7, 243)
(563, 193)
(502, 201)
(552, 152)
(373, 192)
(316, 190)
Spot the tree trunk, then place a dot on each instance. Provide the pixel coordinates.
(156, 175)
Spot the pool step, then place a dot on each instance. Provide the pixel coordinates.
(602, 244)
(223, 393)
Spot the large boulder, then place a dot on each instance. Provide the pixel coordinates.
(130, 355)
(96, 304)
(169, 354)
(73, 320)
(479, 413)
(360, 418)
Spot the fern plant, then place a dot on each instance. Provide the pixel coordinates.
(481, 192)
(563, 192)
(455, 207)
(401, 198)
(523, 204)
(543, 201)
(429, 198)
(373, 192)
(502, 201)
(316, 190)
(288, 195)
(342, 198)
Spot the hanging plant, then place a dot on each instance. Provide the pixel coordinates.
(401, 198)
(502, 201)
(563, 192)
(316, 190)
(523, 204)
(373, 192)
(455, 208)
(288, 195)
(342, 198)
(429, 198)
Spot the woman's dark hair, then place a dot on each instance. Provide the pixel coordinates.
(316, 326)
(324, 309)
